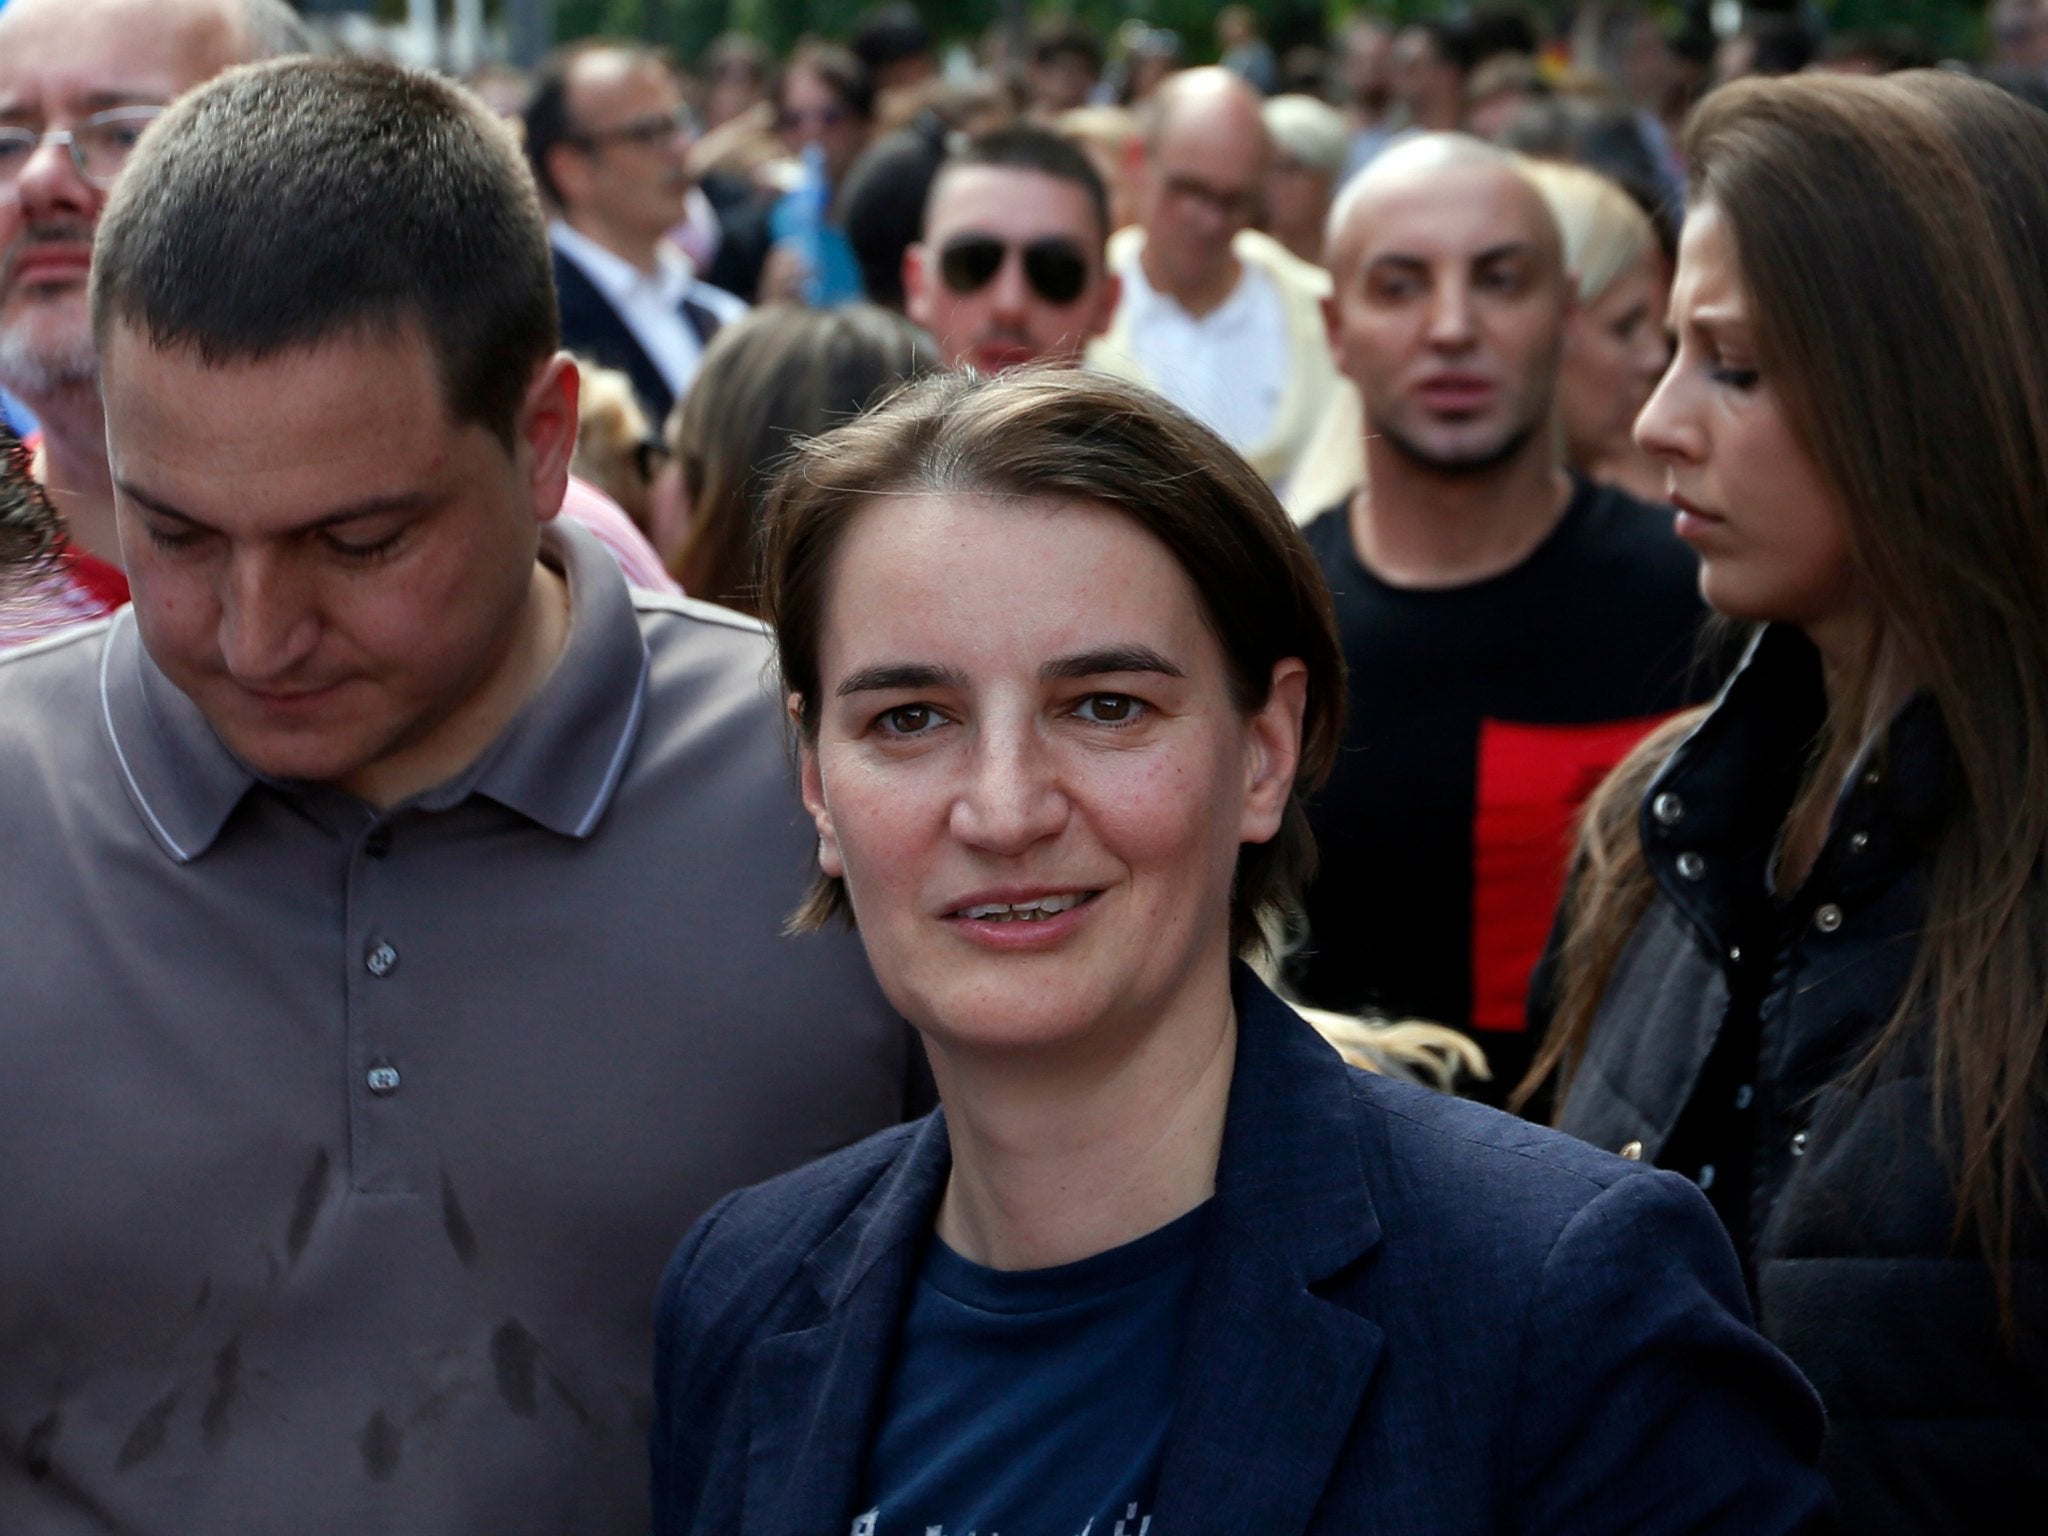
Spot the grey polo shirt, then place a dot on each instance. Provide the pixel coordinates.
(340, 1152)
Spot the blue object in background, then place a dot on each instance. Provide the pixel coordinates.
(17, 414)
(831, 270)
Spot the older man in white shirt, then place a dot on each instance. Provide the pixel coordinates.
(1222, 320)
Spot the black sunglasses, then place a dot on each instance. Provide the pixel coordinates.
(1055, 266)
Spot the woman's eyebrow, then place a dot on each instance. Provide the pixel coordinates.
(1108, 658)
(898, 674)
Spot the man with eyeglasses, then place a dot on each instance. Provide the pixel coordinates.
(1011, 267)
(1221, 319)
(609, 138)
(79, 81)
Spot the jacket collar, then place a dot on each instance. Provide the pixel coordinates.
(1270, 1377)
(1711, 818)
(558, 762)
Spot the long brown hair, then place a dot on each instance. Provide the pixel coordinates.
(1889, 237)
(769, 381)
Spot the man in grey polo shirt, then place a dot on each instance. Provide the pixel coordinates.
(391, 961)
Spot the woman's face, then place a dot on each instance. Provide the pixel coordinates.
(1031, 773)
(811, 112)
(1767, 525)
(1614, 353)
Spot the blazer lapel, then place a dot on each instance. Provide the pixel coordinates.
(813, 1393)
(1272, 1376)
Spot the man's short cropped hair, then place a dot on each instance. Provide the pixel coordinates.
(289, 203)
(546, 119)
(1025, 147)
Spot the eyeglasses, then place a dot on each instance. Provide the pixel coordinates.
(99, 146)
(643, 132)
(1233, 206)
(1055, 266)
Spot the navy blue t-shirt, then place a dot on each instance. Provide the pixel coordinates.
(1033, 1402)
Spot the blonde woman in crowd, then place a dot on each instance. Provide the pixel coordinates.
(1615, 347)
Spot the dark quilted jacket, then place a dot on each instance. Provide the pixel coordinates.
(1937, 1424)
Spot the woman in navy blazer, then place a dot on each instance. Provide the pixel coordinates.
(1062, 671)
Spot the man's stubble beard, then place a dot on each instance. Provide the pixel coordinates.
(1482, 462)
(43, 372)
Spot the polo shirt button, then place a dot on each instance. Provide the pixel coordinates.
(1691, 867)
(377, 843)
(1799, 1143)
(1858, 841)
(1632, 1150)
(383, 1080)
(381, 961)
(1745, 1096)
(1668, 809)
(1706, 1180)
(1827, 918)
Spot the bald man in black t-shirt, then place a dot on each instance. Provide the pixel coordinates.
(1511, 630)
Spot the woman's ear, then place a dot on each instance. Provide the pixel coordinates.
(1273, 751)
(813, 789)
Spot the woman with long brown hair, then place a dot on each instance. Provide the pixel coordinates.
(1805, 958)
(782, 374)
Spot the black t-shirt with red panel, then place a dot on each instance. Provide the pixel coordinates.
(1480, 717)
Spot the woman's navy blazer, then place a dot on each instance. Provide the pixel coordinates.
(1411, 1315)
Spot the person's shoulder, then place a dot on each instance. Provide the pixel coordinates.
(728, 307)
(1261, 250)
(57, 665)
(1329, 528)
(672, 621)
(1462, 1162)
(1612, 521)
(711, 679)
(53, 732)
(741, 1255)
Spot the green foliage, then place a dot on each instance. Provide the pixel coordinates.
(1953, 28)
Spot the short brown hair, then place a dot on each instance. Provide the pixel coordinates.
(289, 203)
(1038, 434)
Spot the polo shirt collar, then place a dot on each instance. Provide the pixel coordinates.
(181, 780)
(558, 763)
(618, 279)
(560, 760)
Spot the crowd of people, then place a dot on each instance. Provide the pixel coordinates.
(1298, 795)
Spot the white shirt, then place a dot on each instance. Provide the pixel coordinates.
(1228, 368)
(651, 304)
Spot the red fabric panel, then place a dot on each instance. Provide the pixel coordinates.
(1532, 781)
(107, 584)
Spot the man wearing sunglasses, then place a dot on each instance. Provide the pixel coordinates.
(609, 141)
(1011, 269)
(79, 81)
